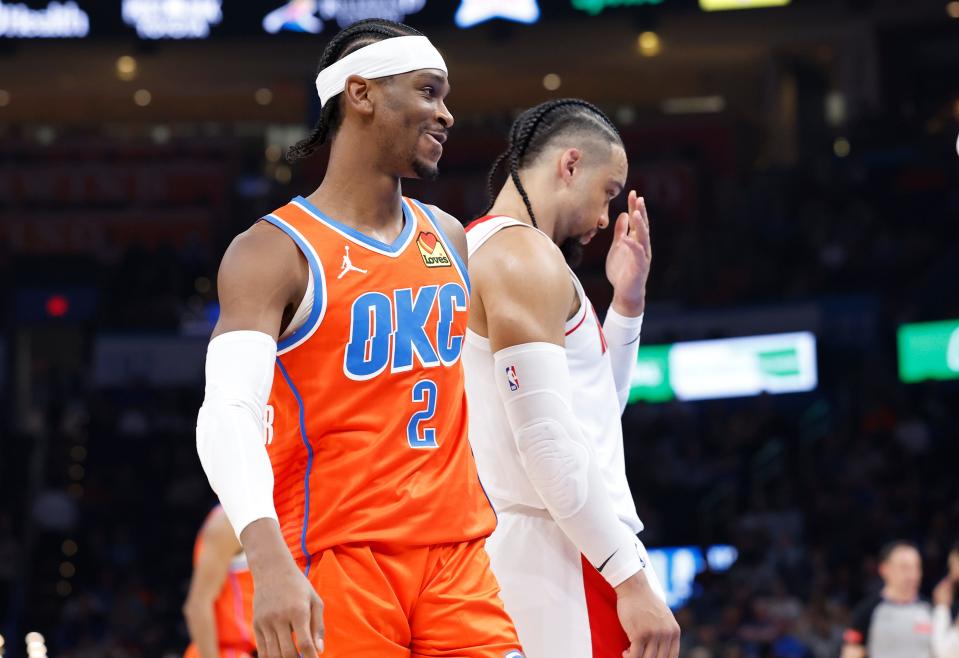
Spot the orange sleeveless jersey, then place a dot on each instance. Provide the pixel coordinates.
(233, 608)
(369, 428)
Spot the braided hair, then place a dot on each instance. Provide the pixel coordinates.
(537, 127)
(359, 34)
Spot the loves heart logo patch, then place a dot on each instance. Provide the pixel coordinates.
(427, 242)
(432, 250)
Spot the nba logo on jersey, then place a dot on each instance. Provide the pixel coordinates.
(432, 251)
(511, 378)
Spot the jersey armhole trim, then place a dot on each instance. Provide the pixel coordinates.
(585, 305)
(500, 222)
(302, 333)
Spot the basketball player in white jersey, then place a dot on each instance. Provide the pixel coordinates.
(546, 385)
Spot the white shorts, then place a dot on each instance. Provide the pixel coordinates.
(560, 604)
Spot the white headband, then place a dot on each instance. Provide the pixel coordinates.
(378, 60)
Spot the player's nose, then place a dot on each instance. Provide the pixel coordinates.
(444, 116)
(603, 220)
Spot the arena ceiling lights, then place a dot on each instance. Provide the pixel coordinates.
(474, 12)
(308, 16)
(726, 368)
(177, 19)
(58, 20)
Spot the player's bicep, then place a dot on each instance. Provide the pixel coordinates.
(255, 282)
(512, 321)
(526, 300)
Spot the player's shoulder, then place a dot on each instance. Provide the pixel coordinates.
(519, 250)
(451, 227)
(447, 222)
(217, 526)
(516, 255)
(260, 241)
(261, 254)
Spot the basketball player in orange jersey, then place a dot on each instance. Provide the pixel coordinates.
(334, 427)
(219, 606)
(547, 385)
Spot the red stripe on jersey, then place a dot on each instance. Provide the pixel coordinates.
(578, 324)
(477, 222)
(608, 638)
(599, 326)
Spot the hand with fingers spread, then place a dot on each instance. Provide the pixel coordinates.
(647, 620)
(287, 612)
(630, 257)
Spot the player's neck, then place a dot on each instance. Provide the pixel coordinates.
(896, 596)
(509, 202)
(354, 192)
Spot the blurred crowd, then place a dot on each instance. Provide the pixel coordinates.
(806, 487)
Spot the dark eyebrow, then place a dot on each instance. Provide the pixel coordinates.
(429, 76)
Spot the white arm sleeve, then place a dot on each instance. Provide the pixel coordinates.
(229, 427)
(535, 386)
(622, 336)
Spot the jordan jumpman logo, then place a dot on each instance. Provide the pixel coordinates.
(348, 265)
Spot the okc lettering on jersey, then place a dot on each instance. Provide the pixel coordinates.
(376, 342)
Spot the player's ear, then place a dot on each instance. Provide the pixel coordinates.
(357, 95)
(569, 163)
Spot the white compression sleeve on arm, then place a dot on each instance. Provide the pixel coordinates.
(535, 386)
(229, 428)
(622, 337)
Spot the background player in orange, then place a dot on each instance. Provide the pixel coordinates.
(219, 606)
(366, 491)
(546, 391)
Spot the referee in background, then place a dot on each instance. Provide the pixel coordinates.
(896, 623)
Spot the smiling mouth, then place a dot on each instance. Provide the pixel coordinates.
(438, 137)
(584, 239)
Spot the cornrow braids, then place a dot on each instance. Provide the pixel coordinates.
(359, 34)
(535, 128)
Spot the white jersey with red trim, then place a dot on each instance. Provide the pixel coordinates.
(595, 403)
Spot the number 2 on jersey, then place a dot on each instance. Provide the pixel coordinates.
(422, 437)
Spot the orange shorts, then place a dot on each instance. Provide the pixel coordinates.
(382, 601)
(193, 652)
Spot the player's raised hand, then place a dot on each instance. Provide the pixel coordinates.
(647, 620)
(287, 612)
(630, 257)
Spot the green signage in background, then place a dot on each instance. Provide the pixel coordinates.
(651, 375)
(594, 7)
(929, 350)
(726, 368)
